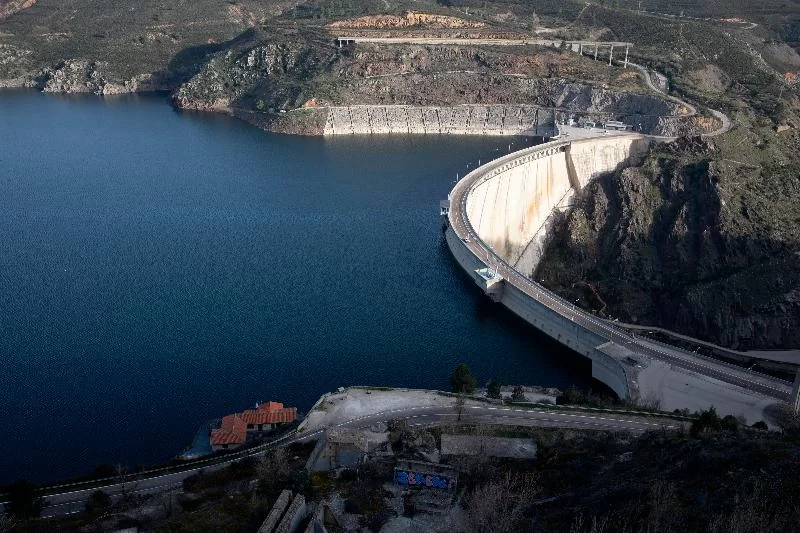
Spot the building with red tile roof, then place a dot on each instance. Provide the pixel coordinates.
(268, 415)
(232, 433)
(235, 428)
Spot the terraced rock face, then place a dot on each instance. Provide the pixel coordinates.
(684, 243)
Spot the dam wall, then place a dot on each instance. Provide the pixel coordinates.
(515, 210)
(496, 207)
(441, 120)
(509, 207)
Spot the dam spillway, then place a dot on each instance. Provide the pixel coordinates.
(499, 218)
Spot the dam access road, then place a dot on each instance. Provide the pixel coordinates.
(499, 218)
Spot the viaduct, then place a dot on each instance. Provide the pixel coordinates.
(498, 220)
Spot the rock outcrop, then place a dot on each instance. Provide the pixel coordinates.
(282, 75)
(9, 7)
(236, 75)
(678, 243)
(81, 76)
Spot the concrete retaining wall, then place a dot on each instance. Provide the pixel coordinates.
(296, 513)
(276, 513)
(454, 120)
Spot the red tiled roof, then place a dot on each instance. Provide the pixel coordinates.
(233, 430)
(270, 416)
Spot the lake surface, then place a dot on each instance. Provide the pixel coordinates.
(159, 269)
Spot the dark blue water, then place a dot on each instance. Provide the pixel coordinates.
(160, 269)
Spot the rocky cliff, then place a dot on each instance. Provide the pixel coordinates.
(685, 243)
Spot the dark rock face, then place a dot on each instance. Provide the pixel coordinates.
(678, 243)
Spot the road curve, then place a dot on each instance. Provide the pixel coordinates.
(722, 117)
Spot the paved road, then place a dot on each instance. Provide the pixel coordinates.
(74, 501)
(463, 229)
(466, 41)
(722, 117)
(515, 416)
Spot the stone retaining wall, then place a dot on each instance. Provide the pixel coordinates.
(452, 120)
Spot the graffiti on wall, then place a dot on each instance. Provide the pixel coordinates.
(408, 478)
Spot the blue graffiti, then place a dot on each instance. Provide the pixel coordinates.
(418, 479)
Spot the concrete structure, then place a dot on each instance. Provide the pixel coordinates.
(485, 446)
(297, 512)
(444, 120)
(499, 218)
(794, 402)
(338, 448)
(275, 514)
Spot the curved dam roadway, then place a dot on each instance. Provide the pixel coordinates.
(499, 216)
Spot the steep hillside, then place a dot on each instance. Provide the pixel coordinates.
(692, 241)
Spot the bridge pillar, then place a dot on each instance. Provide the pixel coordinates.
(794, 401)
(626, 57)
(610, 55)
(596, 47)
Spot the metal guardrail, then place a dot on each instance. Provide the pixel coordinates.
(774, 387)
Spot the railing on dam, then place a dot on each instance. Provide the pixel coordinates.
(460, 223)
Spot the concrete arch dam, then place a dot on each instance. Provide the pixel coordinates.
(499, 217)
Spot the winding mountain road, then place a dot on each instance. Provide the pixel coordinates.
(722, 117)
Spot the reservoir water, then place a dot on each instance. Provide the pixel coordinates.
(159, 269)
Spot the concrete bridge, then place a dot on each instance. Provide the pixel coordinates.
(499, 218)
